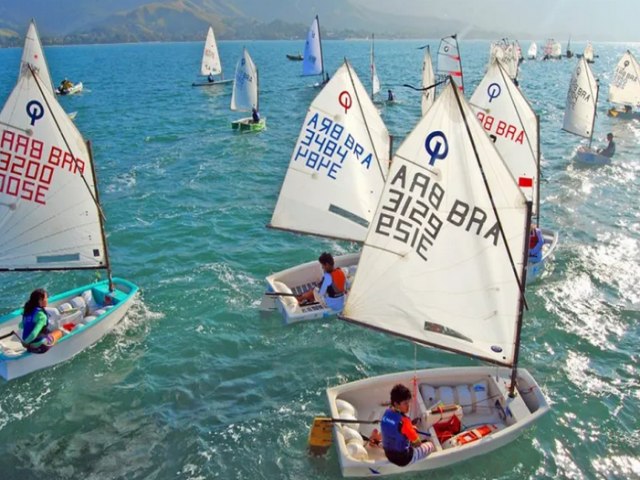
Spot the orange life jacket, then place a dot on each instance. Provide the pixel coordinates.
(338, 283)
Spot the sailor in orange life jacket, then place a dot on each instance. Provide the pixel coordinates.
(536, 241)
(331, 289)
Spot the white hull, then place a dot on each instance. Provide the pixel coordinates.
(77, 88)
(299, 279)
(590, 157)
(15, 361)
(535, 270)
(510, 415)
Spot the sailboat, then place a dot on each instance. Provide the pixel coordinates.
(246, 94)
(505, 52)
(449, 61)
(211, 66)
(556, 51)
(588, 53)
(443, 265)
(52, 220)
(313, 63)
(375, 81)
(513, 126)
(569, 51)
(428, 79)
(332, 186)
(624, 89)
(580, 112)
(532, 53)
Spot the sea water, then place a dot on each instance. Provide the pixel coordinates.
(195, 383)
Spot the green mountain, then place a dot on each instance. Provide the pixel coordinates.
(99, 21)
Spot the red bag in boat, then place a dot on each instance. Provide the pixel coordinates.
(447, 428)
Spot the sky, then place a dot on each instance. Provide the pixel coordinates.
(601, 20)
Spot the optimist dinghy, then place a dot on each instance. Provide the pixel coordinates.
(447, 286)
(624, 89)
(513, 126)
(428, 79)
(313, 62)
(246, 94)
(332, 186)
(580, 112)
(52, 220)
(449, 61)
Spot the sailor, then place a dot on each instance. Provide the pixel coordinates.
(36, 333)
(400, 440)
(536, 242)
(610, 149)
(330, 291)
(211, 78)
(390, 97)
(255, 116)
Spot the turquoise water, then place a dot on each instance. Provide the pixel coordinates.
(196, 383)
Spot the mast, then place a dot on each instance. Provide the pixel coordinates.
(373, 62)
(455, 37)
(525, 258)
(321, 55)
(595, 110)
(538, 168)
(100, 217)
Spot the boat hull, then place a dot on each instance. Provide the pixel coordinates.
(615, 113)
(368, 397)
(247, 125)
(535, 270)
(77, 88)
(16, 362)
(295, 58)
(588, 157)
(212, 84)
(299, 279)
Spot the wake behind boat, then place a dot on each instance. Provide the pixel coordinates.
(52, 220)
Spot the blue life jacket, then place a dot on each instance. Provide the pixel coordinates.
(29, 321)
(392, 439)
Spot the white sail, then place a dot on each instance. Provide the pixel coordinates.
(449, 62)
(434, 268)
(210, 58)
(505, 52)
(428, 79)
(338, 166)
(588, 53)
(511, 123)
(582, 97)
(625, 85)
(33, 55)
(245, 85)
(312, 63)
(556, 50)
(375, 81)
(48, 216)
(533, 51)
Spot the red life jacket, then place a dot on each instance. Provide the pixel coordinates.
(338, 283)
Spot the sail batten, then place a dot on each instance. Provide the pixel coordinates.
(580, 108)
(625, 84)
(339, 164)
(245, 95)
(435, 268)
(210, 64)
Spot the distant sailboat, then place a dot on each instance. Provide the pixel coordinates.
(313, 63)
(580, 112)
(588, 53)
(211, 66)
(428, 79)
(509, 120)
(505, 51)
(532, 53)
(435, 274)
(569, 51)
(624, 89)
(332, 186)
(375, 81)
(52, 221)
(449, 61)
(246, 94)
